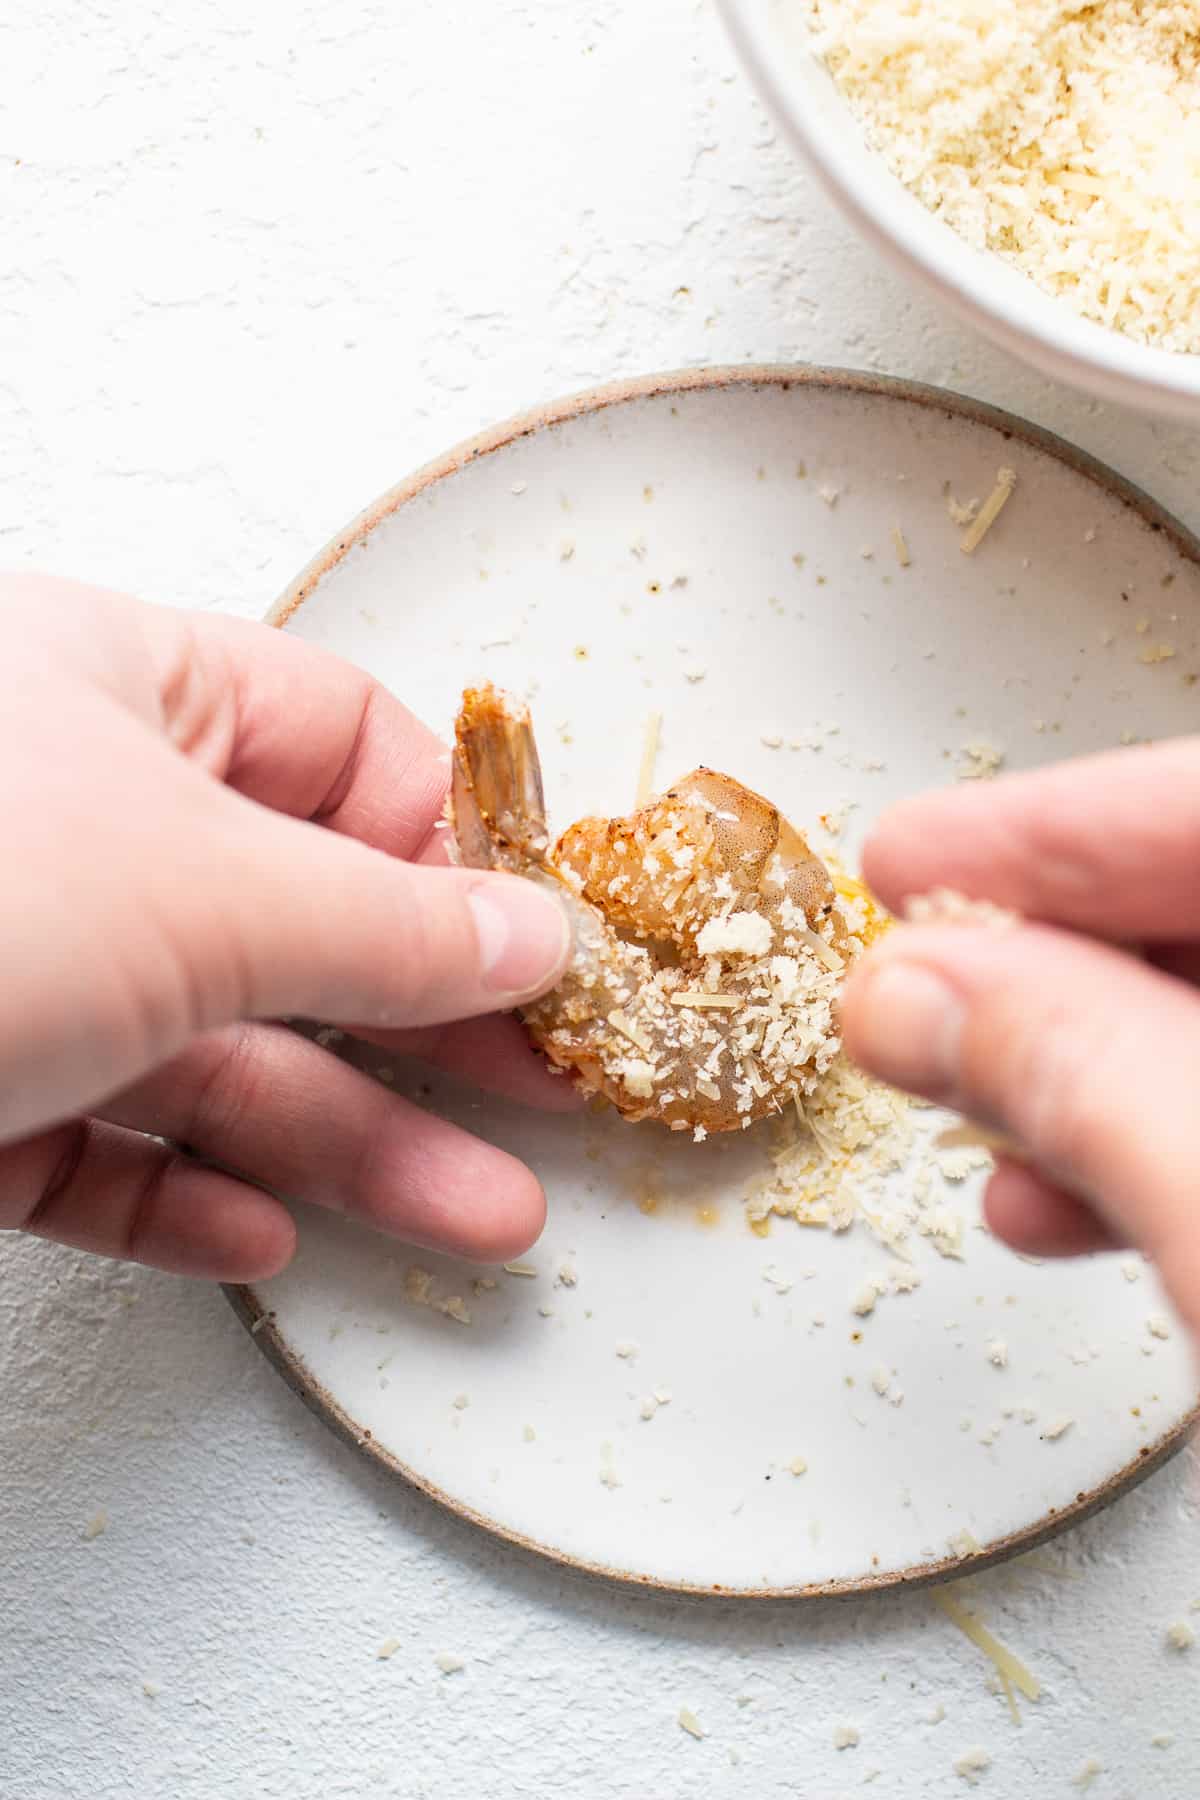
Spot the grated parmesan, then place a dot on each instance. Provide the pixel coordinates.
(1002, 1659)
(645, 785)
(1058, 135)
(971, 1765)
(980, 762)
(989, 512)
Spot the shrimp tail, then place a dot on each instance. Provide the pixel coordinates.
(497, 806)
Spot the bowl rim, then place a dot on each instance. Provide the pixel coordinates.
(254, 1311)
(1049, 335)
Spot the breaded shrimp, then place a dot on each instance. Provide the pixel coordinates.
(709, 946)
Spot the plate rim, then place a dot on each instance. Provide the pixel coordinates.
(259, 1320)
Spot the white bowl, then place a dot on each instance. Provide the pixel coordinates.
(777, 47)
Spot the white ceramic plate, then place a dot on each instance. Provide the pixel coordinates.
(590, 556)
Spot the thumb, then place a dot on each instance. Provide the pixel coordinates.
(322, 925)
(1088, 1058)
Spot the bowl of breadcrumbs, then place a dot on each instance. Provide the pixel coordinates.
(1036, 162)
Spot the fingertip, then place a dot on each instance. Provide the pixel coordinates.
(1033, 1216)
(501, 1231)
(524, 935)
(896, 851)
(268, 1243)
(227, 1231)
(431, 1184)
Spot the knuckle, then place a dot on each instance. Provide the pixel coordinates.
(70, 1148)
(145, 1198)
(228, 1083)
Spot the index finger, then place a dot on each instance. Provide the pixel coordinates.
(298, 729)
(1108, 845)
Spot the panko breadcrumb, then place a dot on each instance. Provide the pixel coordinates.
(1051, 132)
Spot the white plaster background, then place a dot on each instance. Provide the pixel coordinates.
(257, 262)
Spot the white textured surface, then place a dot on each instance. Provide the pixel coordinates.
(257, 264)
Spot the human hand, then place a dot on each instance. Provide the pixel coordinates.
(207, 826)
(1088, 1055)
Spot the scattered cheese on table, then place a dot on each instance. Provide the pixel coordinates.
(1002, 1658)
(448, 1663)
(971, 1765)
(690, 1723)
(845, 1737)
(1180, 1635)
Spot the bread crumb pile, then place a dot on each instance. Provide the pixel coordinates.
(833, 1161)
(1064, 136)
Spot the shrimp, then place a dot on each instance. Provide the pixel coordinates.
(709, 947)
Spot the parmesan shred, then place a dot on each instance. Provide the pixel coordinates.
(902, 551)
(698, 997)
(1060, 136)
(645, 784)
(989, 512)
(1008, 1666)
(620, 1022)
(823, 952)
(1006, 1688)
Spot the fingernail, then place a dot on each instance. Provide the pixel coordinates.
(908, 1027)
(524, 935)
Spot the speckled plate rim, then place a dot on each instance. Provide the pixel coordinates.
(260, 1321)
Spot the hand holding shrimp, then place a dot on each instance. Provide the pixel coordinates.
(207, 825)
(709, 947)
